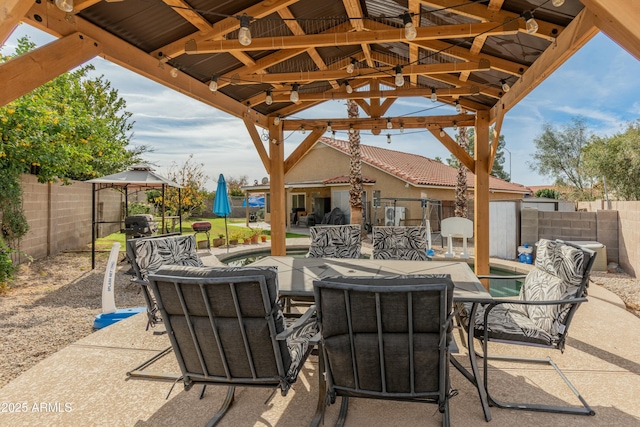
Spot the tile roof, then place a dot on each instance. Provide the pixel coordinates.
(344, 179)
(416, 169)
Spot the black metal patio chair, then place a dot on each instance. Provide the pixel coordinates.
(226, 328)
(540, 317)
(386, 338)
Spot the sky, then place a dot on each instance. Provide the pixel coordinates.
(599, 83)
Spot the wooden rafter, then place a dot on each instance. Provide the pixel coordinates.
(414, 50)
(376, 95)
(33, 69)
(366, 123)
(453, 147)
(257, 142)
(619, 20)
(483, 13)
(11, 14)
(357, 38)
(495, 139)
(304, 146)
(184, 9)
(575, 35)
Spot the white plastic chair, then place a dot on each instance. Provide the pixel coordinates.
(457, 227)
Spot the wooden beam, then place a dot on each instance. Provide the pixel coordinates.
(26, 72)
(453, 147)
(366, 123)
(118, 51)
(11, 13)
(312, 76)
(575, 35)
(277, 191)
(365, 106)
(220, 28)
(80, 5)
(304, 146)
(495, 139)
(257, 142)
(354, 12)
(413, 7)
(356, 38)
(184, 9)
(481, 196)
(618, 20)
(480, 12)
(388, 102)
(374, 101)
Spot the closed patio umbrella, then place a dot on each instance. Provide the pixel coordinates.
(221, 205)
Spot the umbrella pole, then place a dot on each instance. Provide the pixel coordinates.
(226, 232)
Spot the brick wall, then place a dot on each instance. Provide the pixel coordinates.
(567, 225)
(59, 216)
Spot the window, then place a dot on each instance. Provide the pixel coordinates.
(298, 201)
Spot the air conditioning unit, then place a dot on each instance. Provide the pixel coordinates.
(389, 216)
(392, 216)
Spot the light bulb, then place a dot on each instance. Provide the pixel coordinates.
(269, 99)
(352, 66)
(410, 31)
(303, 130)
(401, 128)
(65, 5)
(442, 132)
(455, 126)
(458, 107)
(388, 139)
(557, 3)
(399, 78)
(351, 130)
(530, 23)
(276, 120)
(434, 95)
(333, 135)
(389, 124)
(244, 35)
(329, 127)
(174, 72)
(294, 97)
(213, 86)
(348, 87)
(505, 85)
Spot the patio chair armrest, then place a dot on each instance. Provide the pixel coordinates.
(141, 282)
(316, 339)
(499, 277)
(307, 317)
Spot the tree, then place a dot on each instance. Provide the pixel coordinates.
(498, 163)
(192, 196)
(547, 193)
(235, 185)
(617, 161)
(461, 182)
(355, 168)
(559, 155)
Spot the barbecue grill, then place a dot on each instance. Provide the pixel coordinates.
(202, 227)
(140, 225)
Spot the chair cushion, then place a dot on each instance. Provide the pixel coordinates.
(342, 241)
(561, 260)
(151, 254)
(406, 243)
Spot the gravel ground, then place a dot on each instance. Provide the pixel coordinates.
(53, 302)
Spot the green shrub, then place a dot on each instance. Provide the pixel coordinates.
(139, 208)
(6, 266)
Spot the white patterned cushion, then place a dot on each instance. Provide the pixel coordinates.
(151, 254)
(335, 241)
(407, 243)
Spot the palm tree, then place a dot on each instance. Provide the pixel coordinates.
(461, 184)
(355, 167)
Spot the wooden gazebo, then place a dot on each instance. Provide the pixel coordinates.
(264, 61)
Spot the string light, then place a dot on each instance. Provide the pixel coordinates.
(401, 127)
(276, 120)
(174, 72)
(434, 95)
(244, 35)
(399, 77)
(352, 66)
(557, 3)
(303, 129)
(329, 127)
(410, 31)
(294, 97)
(530, 23)
(269, 99)
(348, 87)
(388, 139)
(442, 132)
(351, 130)
(213, 86)
(333, 135)
(505, 85)
(458, 107)
(65, 5)
(455, 125)
(389, 124)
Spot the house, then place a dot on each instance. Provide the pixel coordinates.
(399, 188)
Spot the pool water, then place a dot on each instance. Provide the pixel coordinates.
(499, 287)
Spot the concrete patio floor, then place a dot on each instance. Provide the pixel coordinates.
(85, 384)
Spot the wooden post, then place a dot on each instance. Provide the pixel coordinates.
(481, 199)
(276, 187)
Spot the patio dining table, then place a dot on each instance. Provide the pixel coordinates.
(296, 276)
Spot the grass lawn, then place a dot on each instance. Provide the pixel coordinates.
(236, 227)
